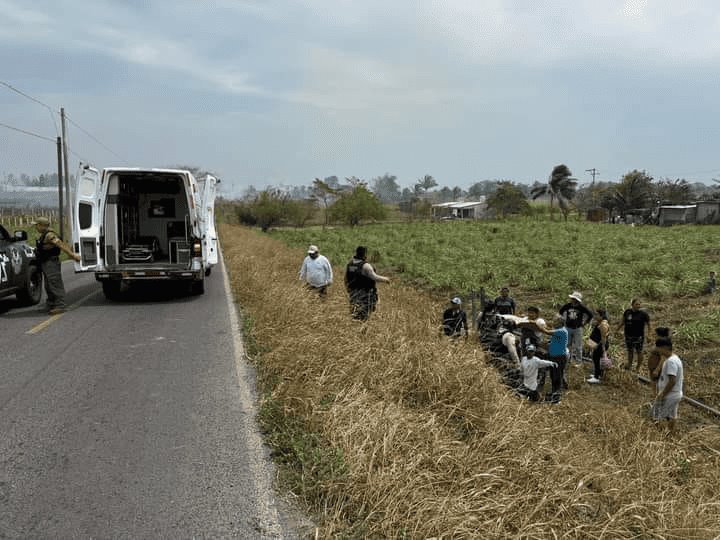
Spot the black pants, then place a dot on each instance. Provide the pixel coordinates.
(53, 283)
(362, 303)
(556, 375)
(596, 356)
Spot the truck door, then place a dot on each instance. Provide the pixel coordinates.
(86, 219)
(207, 216)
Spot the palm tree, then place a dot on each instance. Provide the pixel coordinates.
(561, 186)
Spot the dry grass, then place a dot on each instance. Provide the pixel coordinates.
(392, 432)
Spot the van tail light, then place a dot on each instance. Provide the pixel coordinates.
(197, 249)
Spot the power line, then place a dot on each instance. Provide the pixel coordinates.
(93, 138)
(28, 132)
(52, 113)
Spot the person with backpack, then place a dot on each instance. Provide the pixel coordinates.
(48, 248)
(360, 281)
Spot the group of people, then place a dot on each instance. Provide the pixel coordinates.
(360, 280)
(522, 339)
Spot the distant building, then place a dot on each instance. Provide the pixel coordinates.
(677, 214)
(708, 212)
(461, 210)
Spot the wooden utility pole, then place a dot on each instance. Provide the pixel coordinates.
(593, 172)
(65, 164)
(60, 188)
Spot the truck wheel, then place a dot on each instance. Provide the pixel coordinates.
(31, 293)
(111, 289)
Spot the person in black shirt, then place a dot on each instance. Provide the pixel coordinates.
(360, 279)
(504, 304)
(635, 321)
(576, 316)
(455, 320)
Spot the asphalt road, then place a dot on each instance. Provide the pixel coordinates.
(131, 419)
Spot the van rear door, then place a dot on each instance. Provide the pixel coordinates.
(207, 217)
(86, 219)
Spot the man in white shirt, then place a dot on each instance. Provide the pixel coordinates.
(669, 385)
(316, 271)
(530, 364)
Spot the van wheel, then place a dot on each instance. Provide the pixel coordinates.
(31, 293)
(111, 289)
(197, 287)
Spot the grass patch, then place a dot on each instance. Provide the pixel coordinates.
(407, 435)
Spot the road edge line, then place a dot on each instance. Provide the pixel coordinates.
(266, 504)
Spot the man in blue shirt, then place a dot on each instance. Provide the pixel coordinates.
(558, 353)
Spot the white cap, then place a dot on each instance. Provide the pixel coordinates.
(530, 348)
(313, 249)
(576, 295)
(456, 300)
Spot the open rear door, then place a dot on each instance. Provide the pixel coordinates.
(86, 219)
(207, 217)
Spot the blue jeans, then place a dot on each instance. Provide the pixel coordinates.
(575, 343)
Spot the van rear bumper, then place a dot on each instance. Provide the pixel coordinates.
(144, 275)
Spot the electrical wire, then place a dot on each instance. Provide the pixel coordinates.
(93, 138)
(27, 132)
(52, 113)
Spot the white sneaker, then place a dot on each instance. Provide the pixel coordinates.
(593, 380)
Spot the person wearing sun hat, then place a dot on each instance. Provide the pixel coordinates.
(576, 316)
(316, 271)
(455, 320)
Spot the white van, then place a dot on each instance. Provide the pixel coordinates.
(132, 224)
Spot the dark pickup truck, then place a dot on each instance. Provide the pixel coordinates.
(19, 273)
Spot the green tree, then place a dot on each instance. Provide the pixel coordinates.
(634, 191)
(424, 184)
(560, 187)
(269, 208)
(358, 205)
(508, 199)
(326, 194)
(674, 191)
(386, 188)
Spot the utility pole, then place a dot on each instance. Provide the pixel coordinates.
(60, 188)
(65, 163)
(593, 172)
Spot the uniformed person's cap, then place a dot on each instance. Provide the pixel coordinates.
(42, 221)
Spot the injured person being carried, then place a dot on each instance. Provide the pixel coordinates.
(518, 332)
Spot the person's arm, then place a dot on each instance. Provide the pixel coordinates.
(546, 363)
(647, 327)
(328, 272)
(672, 379)
(512, 306)
(55, 241)
(303, 270)
(588, 313)
(368, 271)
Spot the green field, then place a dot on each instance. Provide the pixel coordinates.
(543, 260)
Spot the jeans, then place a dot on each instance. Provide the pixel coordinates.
(556, 375)
(575, 344)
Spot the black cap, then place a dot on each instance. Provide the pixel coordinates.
(360, 252)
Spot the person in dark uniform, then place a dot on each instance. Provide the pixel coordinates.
(49, 245)
(360, 280)
(504, 304)
(455, 320)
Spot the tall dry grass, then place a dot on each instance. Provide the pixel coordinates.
(425, 441)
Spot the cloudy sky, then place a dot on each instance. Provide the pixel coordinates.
(269, 92)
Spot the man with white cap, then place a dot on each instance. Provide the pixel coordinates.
(316, 271)
(455, 320)
(576, 316)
